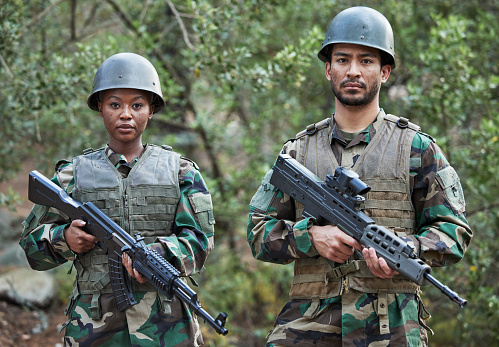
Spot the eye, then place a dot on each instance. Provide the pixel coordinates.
(367, 61)
(341, 60)
(137, 105)
(114, 105)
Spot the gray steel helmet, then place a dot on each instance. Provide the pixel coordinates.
(361, 26)
(127, 70)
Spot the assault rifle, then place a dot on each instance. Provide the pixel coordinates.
(114, 240)
(339, 201)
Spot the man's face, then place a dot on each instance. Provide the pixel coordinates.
(356, 74)
(126, 113)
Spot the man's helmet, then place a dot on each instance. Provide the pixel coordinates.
(360, 26)
(127, 70)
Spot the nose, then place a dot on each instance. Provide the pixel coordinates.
(354, 69)
(127, 112)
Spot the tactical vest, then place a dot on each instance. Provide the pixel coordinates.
(145, 201)
(383, 165)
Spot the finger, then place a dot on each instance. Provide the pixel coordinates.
(89, 237)
(127, 263)
(351, 242)
(372, 262)
(78, 223)
(386, 268)
(139, 277)
(367, 257)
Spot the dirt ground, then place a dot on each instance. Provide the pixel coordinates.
(21, 327)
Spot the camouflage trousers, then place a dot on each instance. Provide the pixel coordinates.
(144, 324)
(353, 319)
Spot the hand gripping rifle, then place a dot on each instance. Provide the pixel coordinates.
(339, 201)
(114, 240)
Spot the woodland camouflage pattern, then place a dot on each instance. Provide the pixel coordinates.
(152, 321)
(277, 235)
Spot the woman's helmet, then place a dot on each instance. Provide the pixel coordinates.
(127, 70)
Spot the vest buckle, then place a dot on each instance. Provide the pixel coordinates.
(345, 269)
(403, 122)
(311, 129)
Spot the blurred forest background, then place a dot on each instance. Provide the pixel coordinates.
(240, 77)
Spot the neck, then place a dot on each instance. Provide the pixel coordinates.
(129, 150)
(353, 119)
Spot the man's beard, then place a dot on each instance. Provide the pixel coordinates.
(352, 99)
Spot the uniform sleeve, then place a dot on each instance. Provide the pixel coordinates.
(193, 232)
(42, 237)
(443, 233)
(274, 232)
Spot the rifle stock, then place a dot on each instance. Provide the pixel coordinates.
(114, 241)
(338, 201)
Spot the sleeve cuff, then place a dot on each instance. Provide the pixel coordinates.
(59, 242)
(302, 238)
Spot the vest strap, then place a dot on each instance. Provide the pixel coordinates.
(95, 309)
(402, 122)
(396, 223)
(382, 308)
(344, 269)
(309, 278)
(314, 128)
(389, 205)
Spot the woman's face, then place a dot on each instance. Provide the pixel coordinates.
(126, 113)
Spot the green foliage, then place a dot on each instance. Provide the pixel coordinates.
(251, 292)
(242, 77)
(10, 200)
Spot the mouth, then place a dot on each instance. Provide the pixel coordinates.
(350, 85)
(125, 127)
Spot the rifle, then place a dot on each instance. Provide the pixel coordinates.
(114, 240)
(338, 200)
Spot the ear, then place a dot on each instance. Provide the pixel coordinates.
(328, 71)
(99, 107)
(151, 110)
(385, 73)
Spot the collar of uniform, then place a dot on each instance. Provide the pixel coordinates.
(364, 136)
(119, 159)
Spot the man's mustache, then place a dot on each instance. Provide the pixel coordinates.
(352, 81)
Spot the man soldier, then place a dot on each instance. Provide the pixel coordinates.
(343, 294)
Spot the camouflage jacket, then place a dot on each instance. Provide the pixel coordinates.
(187, 249)
(442, 231)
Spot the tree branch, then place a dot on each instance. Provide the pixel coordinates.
(4, 63)
(41, 14)
(181, 25)
(73, 20)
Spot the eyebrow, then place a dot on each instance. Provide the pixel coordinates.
(345, 54)
(135, 98)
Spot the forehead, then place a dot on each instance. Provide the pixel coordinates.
(352, 49)
(123, 93)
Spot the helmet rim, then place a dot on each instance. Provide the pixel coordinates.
(126, 71)
(359, 25)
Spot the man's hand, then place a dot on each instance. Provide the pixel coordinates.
(378, 266)
(332, 243)
(78, 240)
(127, 262)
